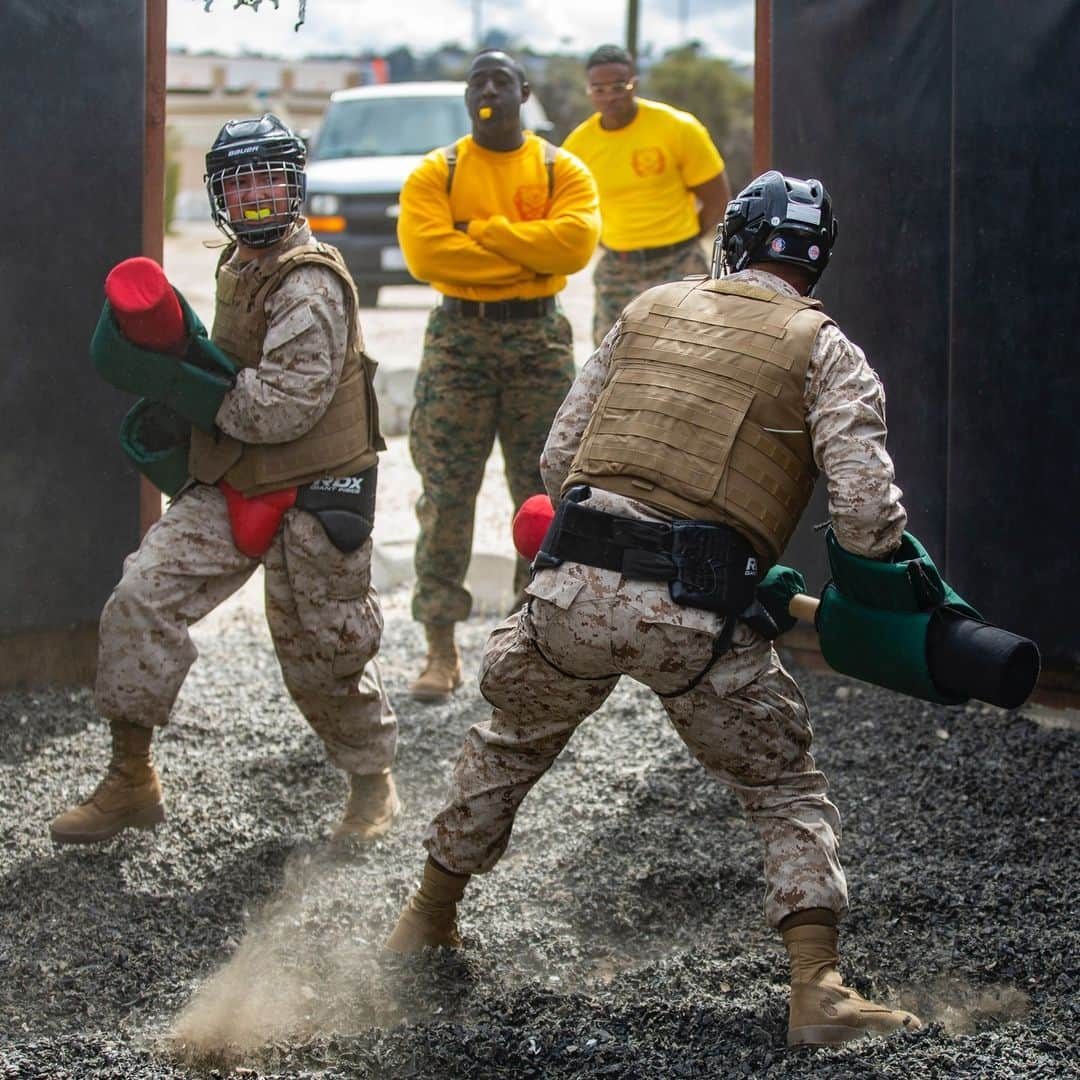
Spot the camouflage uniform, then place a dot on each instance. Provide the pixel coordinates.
(322, 611)
(478, 378)
(553, 664)
(618, 279)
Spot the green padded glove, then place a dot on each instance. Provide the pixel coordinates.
(157, 440)
(774, 593)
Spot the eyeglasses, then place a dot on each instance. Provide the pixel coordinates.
(611, 88)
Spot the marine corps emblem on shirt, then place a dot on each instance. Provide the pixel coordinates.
(531, 201)
(649, 161)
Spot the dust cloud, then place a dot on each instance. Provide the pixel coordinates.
(306, 966)
(962, 1009)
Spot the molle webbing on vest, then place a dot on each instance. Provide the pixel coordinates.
(694, 387)
(343, 428)
(240, 310)
(346, 438)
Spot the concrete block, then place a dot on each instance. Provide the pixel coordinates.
(490, 579)
(394, 390)
(392, 563)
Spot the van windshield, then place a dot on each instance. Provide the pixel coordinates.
(389, 126)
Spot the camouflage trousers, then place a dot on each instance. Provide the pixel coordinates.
(479, 378)
(618, 280)
(552, 664)
(322, 611)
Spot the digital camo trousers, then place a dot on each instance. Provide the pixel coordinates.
(617, 281)
(322, 611)
(479, 378)
(746, 721)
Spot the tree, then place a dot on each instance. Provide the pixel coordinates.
(402, 64)
(718, 95)
(560, 86)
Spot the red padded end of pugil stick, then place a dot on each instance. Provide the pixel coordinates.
(145, 305)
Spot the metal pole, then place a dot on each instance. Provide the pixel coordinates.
(631, 27)
(762, 86)
(684, 18)
(478, 22)
(153, 193)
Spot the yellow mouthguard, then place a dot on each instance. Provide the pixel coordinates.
(255, 215)
(485, 113)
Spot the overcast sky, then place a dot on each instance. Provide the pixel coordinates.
(725, 27)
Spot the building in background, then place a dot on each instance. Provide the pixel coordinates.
(205, 90)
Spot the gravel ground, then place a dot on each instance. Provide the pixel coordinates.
(620, 937)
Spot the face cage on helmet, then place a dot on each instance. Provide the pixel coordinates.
(268, 212)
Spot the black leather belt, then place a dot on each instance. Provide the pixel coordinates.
(645, 254)
(499, 309)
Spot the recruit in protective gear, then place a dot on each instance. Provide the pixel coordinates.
(679, 463)
(279, 471)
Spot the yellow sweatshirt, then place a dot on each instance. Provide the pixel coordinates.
(519, 245)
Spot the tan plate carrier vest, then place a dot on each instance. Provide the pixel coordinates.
(702, 414)
(344, 441)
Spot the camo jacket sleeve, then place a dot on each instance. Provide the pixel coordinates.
(845, 407)
(302, 358)
(570, 421)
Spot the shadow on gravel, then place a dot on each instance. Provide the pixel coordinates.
(101, 944)
(31, 721)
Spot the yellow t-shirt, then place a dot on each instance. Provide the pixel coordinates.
(520, 244)
(644, 172)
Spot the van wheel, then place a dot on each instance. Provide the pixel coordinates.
(368, 294)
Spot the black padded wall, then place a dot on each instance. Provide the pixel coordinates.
(946, 133)
(1014, 451)
(852, 82)
(73, 153)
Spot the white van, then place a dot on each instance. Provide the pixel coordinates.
(370, 139)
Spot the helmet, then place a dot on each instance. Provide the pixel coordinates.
(777, 218)
(255, 180)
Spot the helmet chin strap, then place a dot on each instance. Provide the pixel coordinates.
(264, 238)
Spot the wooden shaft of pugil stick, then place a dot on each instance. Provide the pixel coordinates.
(803, 606)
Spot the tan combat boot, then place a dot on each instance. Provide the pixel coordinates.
(824, 1012)
(129, 797)
(373, 804)
(442, 673)
(429, 919)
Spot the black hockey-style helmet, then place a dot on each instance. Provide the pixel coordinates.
(265, 148)
(777, 218)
